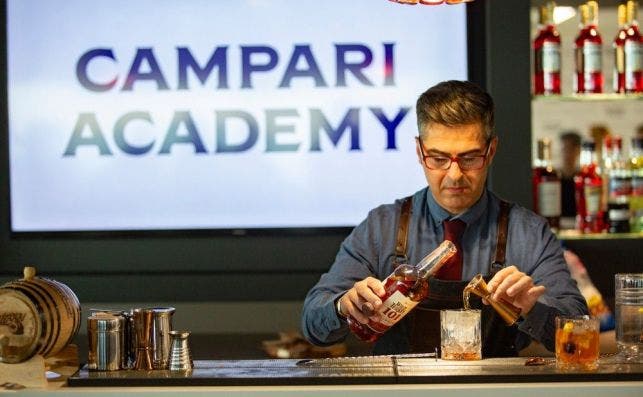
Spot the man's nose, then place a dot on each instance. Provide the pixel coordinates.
(454, 172)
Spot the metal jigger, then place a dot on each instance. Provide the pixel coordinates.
(180, 359)
(506, 310)
(143, 329)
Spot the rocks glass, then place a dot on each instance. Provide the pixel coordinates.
(460, 336)
(577, 343)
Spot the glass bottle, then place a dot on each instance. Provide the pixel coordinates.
(587, 47)
(636, 202)
(619, 187)
(547, 53)
(618, 45)
(546, 188)
(404, 289)
(589, 186)
(633, 48)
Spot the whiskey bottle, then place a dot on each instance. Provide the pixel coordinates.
(588, 190)
(404, 289)
(619, 187)
(546, 188)
(547, 53)
(618, 45)
(633, 49)
(587, 47)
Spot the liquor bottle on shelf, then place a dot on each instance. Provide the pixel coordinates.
(618, 45)
(587, 47)
(546, 188)
(547, 54)
(589, 186)
(636, 202)
(633, 49)
(405, 288)
(619, 186)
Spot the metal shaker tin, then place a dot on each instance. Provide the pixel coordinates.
(105, 333)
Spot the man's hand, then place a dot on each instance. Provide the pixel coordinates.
(516, 287)
(363, 300)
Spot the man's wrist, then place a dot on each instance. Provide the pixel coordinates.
(338, 309)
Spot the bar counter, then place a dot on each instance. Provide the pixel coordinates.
(357, 376)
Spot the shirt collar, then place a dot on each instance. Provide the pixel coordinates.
(470, 216)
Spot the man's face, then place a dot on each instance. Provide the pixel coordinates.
(455, 189)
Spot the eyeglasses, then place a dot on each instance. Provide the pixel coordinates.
(465, 163)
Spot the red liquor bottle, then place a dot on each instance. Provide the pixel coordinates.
(633, 48)
(405, 288)
(547, 54)
(546, 185)
(618, 45)
(587, 47)
(588, 191)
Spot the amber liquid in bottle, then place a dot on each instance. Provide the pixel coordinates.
(633, 49)
(589, 75)
(546, 186)
(547, 54)
(589, 189)
(404, 289)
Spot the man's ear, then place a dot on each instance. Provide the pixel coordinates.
(493, 146)
(418, 152)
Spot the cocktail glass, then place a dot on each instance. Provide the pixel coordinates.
(577, 343)
(460, 336)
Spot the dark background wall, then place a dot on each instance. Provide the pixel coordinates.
(277, 266)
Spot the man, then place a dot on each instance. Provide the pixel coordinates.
(455, 148)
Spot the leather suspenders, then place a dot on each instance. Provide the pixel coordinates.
(403, 232)
(501, 239)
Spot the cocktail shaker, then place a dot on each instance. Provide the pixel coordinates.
(105, 333)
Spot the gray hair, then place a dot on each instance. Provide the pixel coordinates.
(452, 103)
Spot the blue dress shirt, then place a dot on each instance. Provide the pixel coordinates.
(369, 250)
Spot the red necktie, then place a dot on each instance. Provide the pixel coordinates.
(452, 269)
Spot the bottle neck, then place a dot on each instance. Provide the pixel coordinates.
(632, 11)
(588, 157)
(433, 261)
(544, 154)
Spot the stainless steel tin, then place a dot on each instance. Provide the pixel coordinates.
(180, 356)
(105, 333)
(152, 328)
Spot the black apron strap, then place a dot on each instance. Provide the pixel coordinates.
(403, 232)
(501, 239)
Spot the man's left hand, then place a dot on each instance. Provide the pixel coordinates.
(516, 287)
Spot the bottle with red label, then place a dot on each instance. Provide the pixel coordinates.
(546, 188)
(588, 78)
(588, 192)
(633, 49)
(547, 54)
(405, 288)
(618, 45)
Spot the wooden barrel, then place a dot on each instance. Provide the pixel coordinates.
(37, 316)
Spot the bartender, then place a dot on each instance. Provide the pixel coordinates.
(523, 264)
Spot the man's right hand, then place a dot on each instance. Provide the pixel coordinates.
(363, 300)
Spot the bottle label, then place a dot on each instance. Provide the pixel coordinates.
(637, 185)
(591, 58)
(633, 53)
(549, 198)
(592, 199)
(551, 57)
(618, 214)
(394, 308)
(620, 186)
